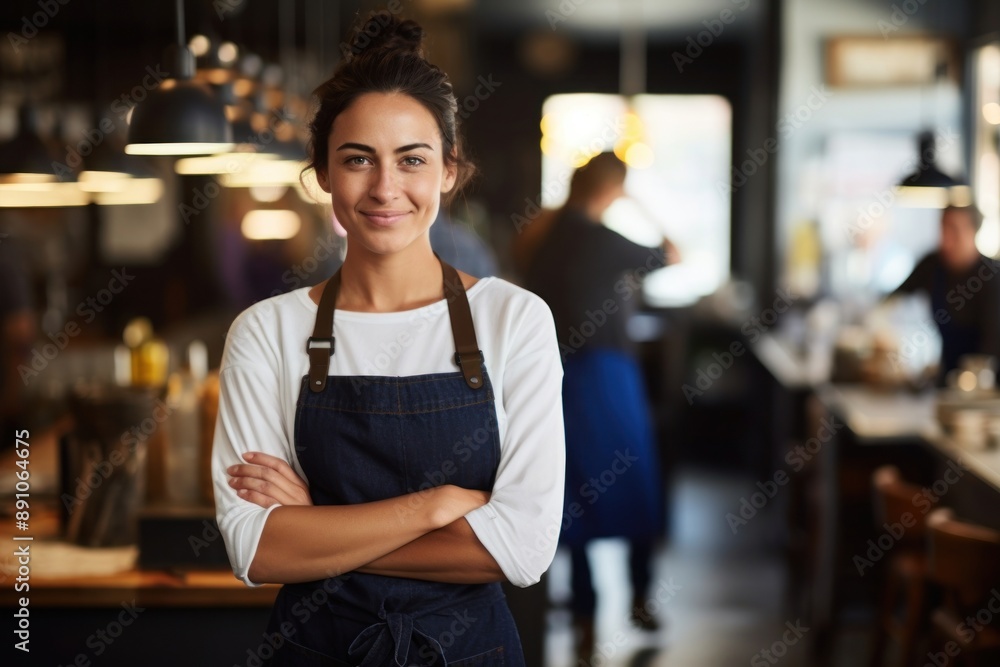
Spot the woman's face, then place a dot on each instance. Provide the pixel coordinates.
(386, 171)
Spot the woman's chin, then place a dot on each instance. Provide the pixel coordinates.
(384, 244)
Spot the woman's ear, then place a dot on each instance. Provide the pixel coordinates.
(450, 173)
(323, 179)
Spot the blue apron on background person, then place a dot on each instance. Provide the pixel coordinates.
(367, 438)
(612, 465)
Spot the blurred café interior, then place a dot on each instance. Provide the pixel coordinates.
(823, 399)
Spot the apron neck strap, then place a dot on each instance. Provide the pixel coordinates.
(468, 356)
(320, 346)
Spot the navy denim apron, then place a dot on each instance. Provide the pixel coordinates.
(365, 438)
(957, 339)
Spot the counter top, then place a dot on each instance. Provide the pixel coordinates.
(784, 361)
(876, 416)
(57, 578)
(147, 588)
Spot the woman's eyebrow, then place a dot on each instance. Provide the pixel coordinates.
(410, 147)
(368, 149)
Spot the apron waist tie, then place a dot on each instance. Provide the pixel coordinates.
(388, 642)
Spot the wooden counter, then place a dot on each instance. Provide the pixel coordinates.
(147, 588)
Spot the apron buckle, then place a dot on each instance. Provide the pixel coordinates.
(320, 343)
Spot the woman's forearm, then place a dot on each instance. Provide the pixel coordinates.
(306, 543)
(452, 554)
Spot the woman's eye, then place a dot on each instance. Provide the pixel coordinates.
(412, 161)
(357, 161)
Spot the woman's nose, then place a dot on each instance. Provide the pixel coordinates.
(383, 187)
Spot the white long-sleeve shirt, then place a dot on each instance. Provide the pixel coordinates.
(265, 360)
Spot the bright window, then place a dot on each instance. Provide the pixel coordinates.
(678, 148)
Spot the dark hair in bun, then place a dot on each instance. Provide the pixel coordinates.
(384, 31)
(385, 55)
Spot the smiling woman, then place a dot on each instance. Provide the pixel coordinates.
(386, 194)
(395, 466)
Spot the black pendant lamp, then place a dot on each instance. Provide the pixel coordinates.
(929, 186)
(180, 116)
(25, 157)
(927, 174)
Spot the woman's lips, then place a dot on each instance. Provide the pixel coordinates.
(384, 218)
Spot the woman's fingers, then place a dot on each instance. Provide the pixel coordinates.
(267, 483)
(258, 498)
(278, 465)
(256, 487)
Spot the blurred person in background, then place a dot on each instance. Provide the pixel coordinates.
(459, 246)
(591, 277)
(963, 289)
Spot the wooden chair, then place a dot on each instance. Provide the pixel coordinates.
(906, 569)
(964, 560)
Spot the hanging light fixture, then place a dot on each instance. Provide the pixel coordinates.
(25, 158)
(112, 178)
(929, 187)
(181, 116)
(270, 224)
(28, 178)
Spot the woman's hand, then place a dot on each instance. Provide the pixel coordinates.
(454, 502)
(267, 480)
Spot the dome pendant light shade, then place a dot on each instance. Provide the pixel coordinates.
(180, 116)
(927, 175)
(928, 186)
(25, 158)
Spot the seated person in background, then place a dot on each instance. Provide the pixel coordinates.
(963, 288)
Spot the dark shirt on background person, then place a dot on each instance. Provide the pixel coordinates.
(591, 277)
(965, 306)
(461, 247)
